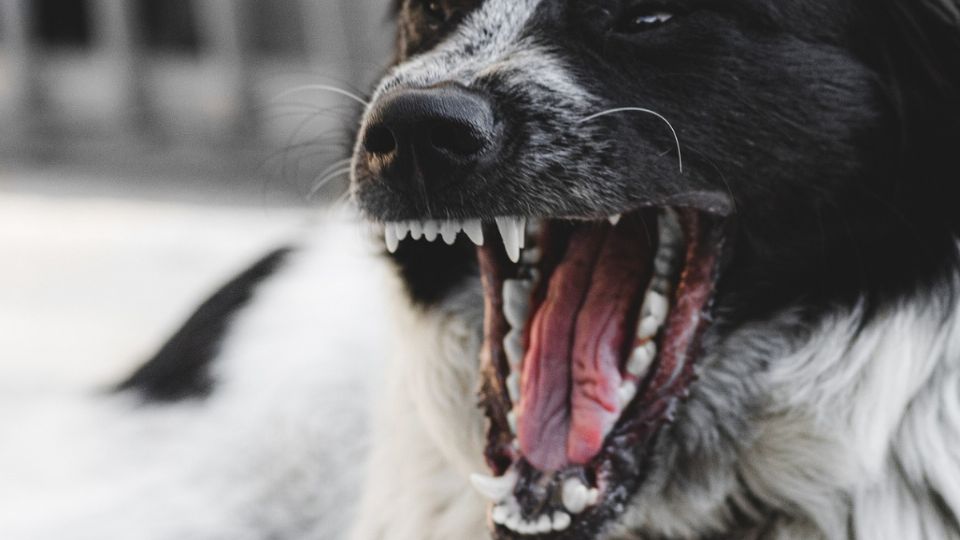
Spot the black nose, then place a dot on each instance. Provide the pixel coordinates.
(429, 138)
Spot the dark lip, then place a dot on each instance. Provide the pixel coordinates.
(707, 202)
(623, 465)
(380, 204)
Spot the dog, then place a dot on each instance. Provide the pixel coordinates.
(671, 269)
(735, 316)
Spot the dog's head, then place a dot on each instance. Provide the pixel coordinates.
(646, 178)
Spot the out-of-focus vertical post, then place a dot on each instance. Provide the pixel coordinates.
(115, 33)
(372, 37)
(222, 27)
(24, 79)
(329, 40)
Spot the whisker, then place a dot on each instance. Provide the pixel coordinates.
(336, 165)
(646, 111)
(327, 179)
(346, 198)
(322, 88)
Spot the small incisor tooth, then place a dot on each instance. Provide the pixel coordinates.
(544, 524)
(449, 231)
(513, 521)
(416, 230)
(474, 231)
(402, 229)
(430, 230)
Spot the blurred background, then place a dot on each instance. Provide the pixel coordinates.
(151, 148)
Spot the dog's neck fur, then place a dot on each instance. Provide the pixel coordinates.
(855, 436)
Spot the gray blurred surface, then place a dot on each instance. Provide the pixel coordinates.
(190, 99)
(149, 149)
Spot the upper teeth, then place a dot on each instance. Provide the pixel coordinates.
(513, 230)
(396, 231)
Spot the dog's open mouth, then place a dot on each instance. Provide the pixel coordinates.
(591, 337)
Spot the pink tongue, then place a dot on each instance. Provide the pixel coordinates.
(571, 371)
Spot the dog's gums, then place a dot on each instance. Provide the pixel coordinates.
(591, 337)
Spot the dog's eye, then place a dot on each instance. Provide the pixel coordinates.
(436, 14)
(642, 18)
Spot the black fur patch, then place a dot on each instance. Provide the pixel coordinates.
(831, 126)
(180, 370)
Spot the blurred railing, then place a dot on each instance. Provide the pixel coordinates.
(184, 86)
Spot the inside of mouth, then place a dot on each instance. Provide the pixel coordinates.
(597, 319)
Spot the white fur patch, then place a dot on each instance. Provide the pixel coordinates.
(276, 452)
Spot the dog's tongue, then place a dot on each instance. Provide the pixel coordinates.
(571, 371)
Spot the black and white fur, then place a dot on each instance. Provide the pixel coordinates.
(828, 402)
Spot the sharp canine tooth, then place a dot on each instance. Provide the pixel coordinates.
(495, 488)
(512, 230)
(416, 230)
(430, 230)
(474, 230)
(449, 230)
(574, 495)
(626, 393)
(390, 237)
(614, 220)
(641, 358)
(561, 520)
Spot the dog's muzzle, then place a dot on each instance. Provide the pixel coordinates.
(425, 140)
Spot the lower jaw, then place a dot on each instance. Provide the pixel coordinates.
(621, 380)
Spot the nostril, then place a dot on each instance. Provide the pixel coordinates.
(456, 138)
(380, 140)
